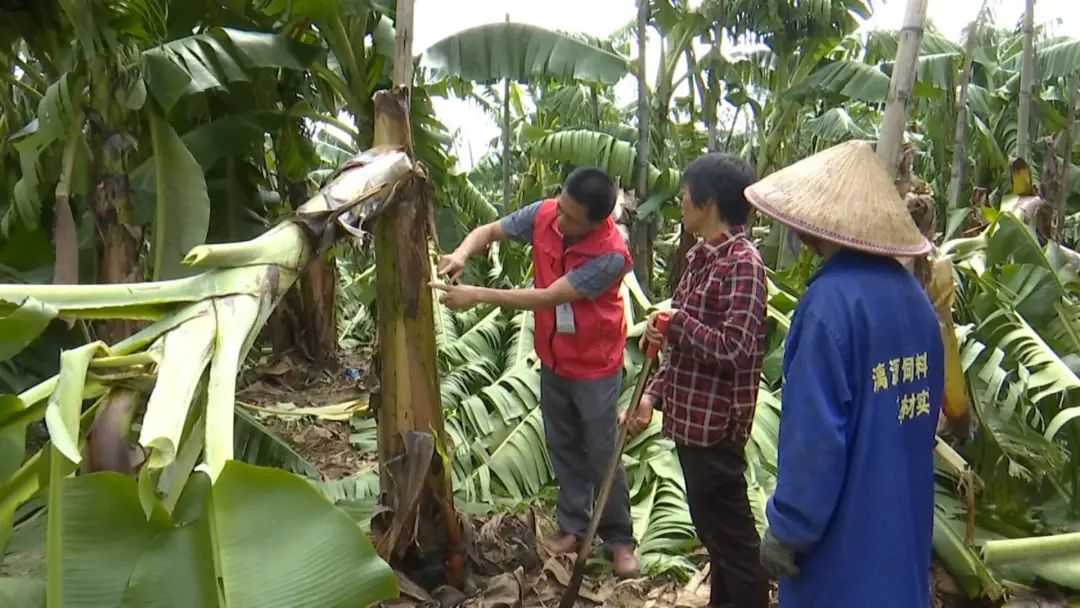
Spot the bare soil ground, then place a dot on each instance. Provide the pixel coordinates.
(322, 441)
(285, 378)
(510, 567)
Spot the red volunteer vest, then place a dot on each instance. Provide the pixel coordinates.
(595, 349)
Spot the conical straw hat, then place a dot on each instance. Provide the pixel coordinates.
(843, 195)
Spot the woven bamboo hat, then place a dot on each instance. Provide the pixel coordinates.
(845, 196)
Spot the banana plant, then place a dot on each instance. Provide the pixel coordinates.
(183, 520)
(514, 53)
(1015, 333)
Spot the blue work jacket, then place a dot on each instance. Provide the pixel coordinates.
(863, 385)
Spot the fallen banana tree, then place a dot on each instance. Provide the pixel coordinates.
(196, 528)
(1016, 325)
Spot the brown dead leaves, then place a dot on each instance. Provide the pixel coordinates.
(511, 568)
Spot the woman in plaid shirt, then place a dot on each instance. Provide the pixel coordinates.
(707, 386)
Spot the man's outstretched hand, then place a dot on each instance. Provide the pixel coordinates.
(452, 265)
(457, 297)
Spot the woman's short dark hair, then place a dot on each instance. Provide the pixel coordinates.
(593, 189)
(720, 179)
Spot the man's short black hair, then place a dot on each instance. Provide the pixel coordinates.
(720, 179)
(593, 189)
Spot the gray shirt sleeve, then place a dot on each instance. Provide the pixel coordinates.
(518, 226)
(598, 274)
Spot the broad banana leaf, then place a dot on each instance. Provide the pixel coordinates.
(490, 53)
(216, 58)
(12, 452)
(1044, 373)
(881, 45)
(835, 125)
(1000, 396)
(182, 214)
(983, 101)
(937, 72)
(661, 521)
(858, 80)
(618, 158)
(20, 323)
(57, 110)
(223, 545)
(581, 146)
(1014, 242)
(1058, 59)
(21, 591)
(208, 144)
(472, 203)
(492, 390)
(851, 79)
(514, 455)
(572, 104)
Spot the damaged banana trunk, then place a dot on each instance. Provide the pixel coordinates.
(416, 524)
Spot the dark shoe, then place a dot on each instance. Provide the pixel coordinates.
(624, 562)
(567, 543)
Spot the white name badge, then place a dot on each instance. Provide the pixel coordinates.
(564, 319)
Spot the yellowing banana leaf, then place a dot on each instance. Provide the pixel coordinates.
(942, 292)
(1022, 182)
(335, 411)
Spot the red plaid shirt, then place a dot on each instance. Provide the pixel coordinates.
(708, 383)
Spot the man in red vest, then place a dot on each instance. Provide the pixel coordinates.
(579, 259)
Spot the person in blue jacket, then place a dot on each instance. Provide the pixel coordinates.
(851, 521)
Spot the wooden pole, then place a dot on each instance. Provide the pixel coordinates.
(1067, 155)
(712, 93)
(506, 138)
(1027, 78)
(643, 102)
(901, 86)
(403, 41)
(640, 237)
(959, 160)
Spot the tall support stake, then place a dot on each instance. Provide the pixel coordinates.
(643, 101)
(1062, 203)
(403, 40)
(712, 94)
(506, 138)
(640, 233)
(1027, 79)
(900, 88)
(959, 160)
